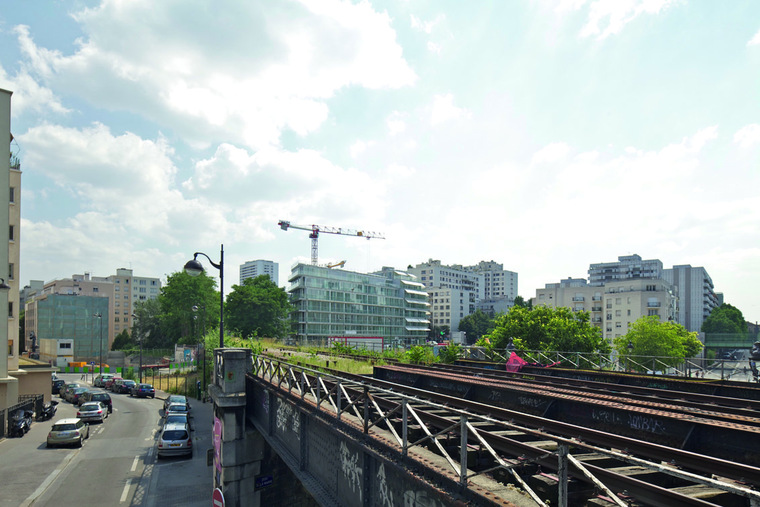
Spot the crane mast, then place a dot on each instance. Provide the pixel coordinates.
(315, 230)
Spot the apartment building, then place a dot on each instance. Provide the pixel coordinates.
(450, 306)
(696, 295)
(338, 303)
(616, 305)
(8, 383)
(498, 283)
(252, 269)
(625, 268)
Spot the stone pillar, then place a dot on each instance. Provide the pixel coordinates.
(236, 458)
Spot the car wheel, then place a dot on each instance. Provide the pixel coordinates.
(80, 442)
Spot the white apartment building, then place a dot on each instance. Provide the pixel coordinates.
(614, 306)
(696, 295)
(252, 269)
(626, 267)
(449, 306)
(498, 283)
(9, 387)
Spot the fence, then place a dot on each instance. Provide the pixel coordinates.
(31, 402)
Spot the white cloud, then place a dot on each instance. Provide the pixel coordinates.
(755, 40)
(609, 17)
(360, 147)
(748, 136)
(396, 123)
(550, 153)
(243, 77)
(443, 109)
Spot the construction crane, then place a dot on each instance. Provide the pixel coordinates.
(316, 229)
(336, 265)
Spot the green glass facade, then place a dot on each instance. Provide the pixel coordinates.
(70, 316)
(335, 302)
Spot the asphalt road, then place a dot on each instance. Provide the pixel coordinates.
(116, 466)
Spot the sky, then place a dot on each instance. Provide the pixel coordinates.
(543, 135)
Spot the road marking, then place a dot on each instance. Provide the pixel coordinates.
(50, 478)
(134, 463)
(126, 491)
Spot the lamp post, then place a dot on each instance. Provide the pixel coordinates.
(100, 316)
(195, 268)
(630, 351)
(139, 340)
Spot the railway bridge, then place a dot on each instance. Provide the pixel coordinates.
(289, 435)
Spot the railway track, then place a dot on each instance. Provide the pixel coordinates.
(513, 446)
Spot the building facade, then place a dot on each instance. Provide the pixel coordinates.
(450, 306)
(627, 267)
(696, 295)
(335, 302)
(252, 269)
(8, 384)
(498, 283)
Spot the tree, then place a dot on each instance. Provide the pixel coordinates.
(123, 341)
(520, 301)
(177, 299)
(725, 319)
(258, 308)
(476, 325)
(668, 341)
(438, 333)
(147, 324)
(545, 328)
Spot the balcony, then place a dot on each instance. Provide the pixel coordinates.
(596, 298)
(655, 304)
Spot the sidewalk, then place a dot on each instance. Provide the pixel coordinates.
(182, 481)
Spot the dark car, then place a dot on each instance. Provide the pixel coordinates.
(66, 387)
(143, 391)
(175, 398)
(100, 396)
(74, 395)
(57, 384)
(126, 386)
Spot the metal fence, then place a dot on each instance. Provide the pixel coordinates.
(31, 402)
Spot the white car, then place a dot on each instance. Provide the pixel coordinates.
(67, 432)
(92, 411)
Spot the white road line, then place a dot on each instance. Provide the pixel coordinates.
(50, 478)
(134, 463)
(126, 491)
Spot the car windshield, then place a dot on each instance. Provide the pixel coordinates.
(175, 407)
(100, 397)
(146, 386)
(89, 406)
(175, 435)
(63, 427)
(176, 418)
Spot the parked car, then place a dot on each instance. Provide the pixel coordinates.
(175, 398)
(74, 395)
(175, 440)
(100, 396)
(100, 380)
(181, 408)
(114, 386)
(108, 383)
(67, 432)
(57, 384)
(143, 391)
(177, 418)
(125, 386)
(65, 388)
(92, 411)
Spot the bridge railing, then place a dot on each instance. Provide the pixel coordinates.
(371, 407)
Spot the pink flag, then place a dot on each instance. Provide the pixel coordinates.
(515, 363)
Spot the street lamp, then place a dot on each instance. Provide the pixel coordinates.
(100, 316)
(630, 351)
(195, 268)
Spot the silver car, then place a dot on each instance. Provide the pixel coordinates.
(175, 440)
(92, 411)
(67, 432)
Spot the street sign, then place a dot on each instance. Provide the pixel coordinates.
(218, 498)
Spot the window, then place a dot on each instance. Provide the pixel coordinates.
(12, 196)
(11, 235)
(10, 309)
(10, 271)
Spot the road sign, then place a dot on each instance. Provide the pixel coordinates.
(218, 498)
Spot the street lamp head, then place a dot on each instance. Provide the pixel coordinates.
(194, 267)
(3, 285)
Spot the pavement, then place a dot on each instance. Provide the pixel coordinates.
(181, 481)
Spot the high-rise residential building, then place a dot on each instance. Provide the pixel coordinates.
(127, 291)
(252, 269)
(14, 257)
(8, 384)
(626, 267)
(449, 306)
(696, 295)
(614, 306)
(498, 283)
(329, 303)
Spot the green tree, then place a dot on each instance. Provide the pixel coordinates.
(177, 299)
(147, 324)
(725, 319)
(123, 341)
(520, 301)
(438, 333)
(545, 328)
(476, 325)
(258, 308)
(667, 340)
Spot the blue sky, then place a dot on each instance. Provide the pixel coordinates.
(545, 135)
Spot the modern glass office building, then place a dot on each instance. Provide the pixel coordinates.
(69, 316)
(338, 303)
